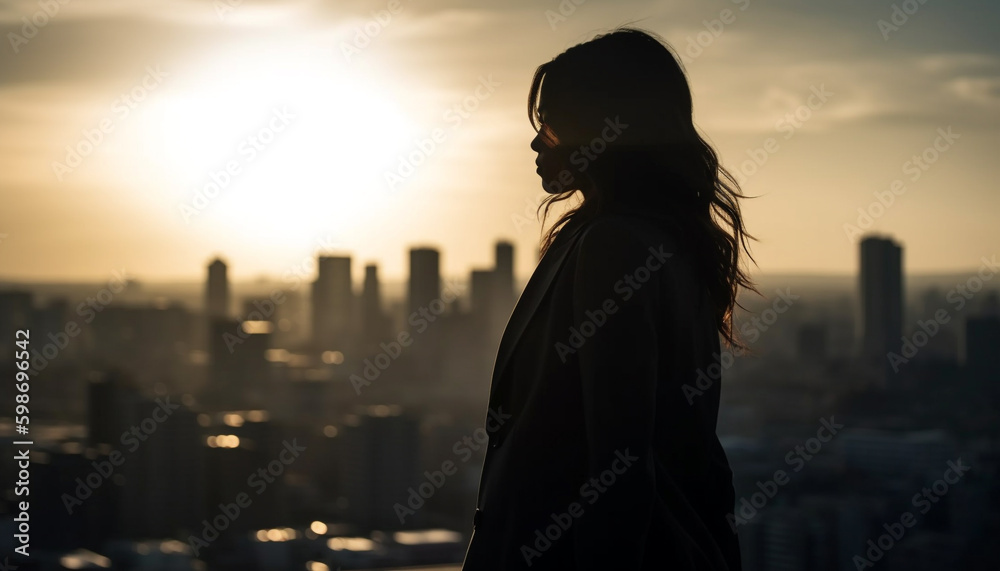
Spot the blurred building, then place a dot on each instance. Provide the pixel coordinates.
(333, 305)
(151, 342)
(982, 343)
(981, 352)
(492, 296)
(245, 453)
(217, 290)
(375, 324)
(504, 269)
(881, 281)
(380, 463)
(112, 398)
(167, 465)
(425, 278)
(239, 372)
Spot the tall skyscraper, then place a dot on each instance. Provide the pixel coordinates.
(333, 304)
(374, 324)
(503, 284)
(505, 267)
(217, 290)
(493, 293)
(425, 278)
(881, 296)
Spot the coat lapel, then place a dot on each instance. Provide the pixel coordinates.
(529, 300)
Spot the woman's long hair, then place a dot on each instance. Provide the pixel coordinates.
(620, 109)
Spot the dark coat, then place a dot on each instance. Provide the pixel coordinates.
(603, 454)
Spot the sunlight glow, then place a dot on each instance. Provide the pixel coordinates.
(277, 144)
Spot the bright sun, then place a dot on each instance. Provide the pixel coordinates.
(296, 143)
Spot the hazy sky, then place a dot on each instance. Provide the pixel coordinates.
(118, 117)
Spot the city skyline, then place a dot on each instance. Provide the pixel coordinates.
(386, 418)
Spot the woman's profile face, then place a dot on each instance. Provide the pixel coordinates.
(550, 162)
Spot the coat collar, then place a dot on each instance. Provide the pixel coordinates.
(539, 283)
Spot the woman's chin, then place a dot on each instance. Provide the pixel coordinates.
(550, 183)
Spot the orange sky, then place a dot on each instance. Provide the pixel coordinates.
(300, 118)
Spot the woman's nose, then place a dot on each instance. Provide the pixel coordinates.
(536, 143)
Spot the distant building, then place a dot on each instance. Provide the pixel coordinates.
(374, 322)
(159, 488)
(236, 446)
(881, 297)
(981, 350)
(150, 342)
(492, 294)
(163, 488)
(380, 465)
(503, 284)
(504, 268)
(333, 304)
(111, 400)
(217, 290)
(239, 372)
(425, 278)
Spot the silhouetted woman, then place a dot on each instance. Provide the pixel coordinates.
(603, 453)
